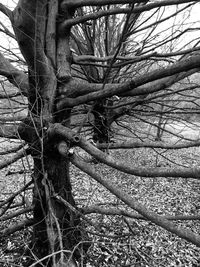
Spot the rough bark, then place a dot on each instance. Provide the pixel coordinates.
(57, 228)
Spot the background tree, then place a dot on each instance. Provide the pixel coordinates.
(117, 60)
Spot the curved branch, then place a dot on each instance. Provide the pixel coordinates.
(69, 135)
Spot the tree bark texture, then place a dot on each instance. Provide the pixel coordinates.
(58, 227)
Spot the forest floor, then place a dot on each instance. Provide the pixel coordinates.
(116, 240)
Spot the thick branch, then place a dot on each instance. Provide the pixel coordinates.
(116, 89)
(131, 202)
(69, 135)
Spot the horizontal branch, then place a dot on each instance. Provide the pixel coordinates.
(68, 135)
(89, 58)
(79, 3)
(95, 15)
(133, 215)
(131, 145)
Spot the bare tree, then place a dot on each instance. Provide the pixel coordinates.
(76, 62)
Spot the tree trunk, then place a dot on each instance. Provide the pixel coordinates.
(102, 126)
(57, 231)
(58, 226)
